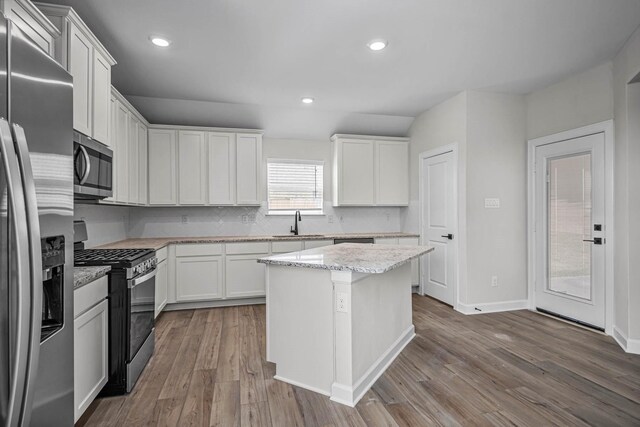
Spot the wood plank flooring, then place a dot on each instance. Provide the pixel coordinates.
(516, 368)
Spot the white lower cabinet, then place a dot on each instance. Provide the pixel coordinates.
(91, 345)
(409, 241)
(199, 278)
(162, 276)
(245, 276)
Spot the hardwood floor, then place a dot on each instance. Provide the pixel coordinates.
(515, 368)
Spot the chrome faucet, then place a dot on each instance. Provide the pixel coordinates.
(297, 217)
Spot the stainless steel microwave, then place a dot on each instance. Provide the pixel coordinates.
(93, 168)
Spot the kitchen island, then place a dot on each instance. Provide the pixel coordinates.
(337, 316)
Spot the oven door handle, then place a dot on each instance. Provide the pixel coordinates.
(135, 282)
(87, 159)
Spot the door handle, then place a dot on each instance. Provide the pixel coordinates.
(88, 165)
(448, 236)
(33, 227)
(595, 240)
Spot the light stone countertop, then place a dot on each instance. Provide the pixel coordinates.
(85, 275)
(361, 258)
(156, 243)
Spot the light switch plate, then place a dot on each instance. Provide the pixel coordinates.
(493, 203)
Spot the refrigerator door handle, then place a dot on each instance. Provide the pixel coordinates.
(19, 355)
(35, 252)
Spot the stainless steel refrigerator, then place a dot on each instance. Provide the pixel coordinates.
(36, 223)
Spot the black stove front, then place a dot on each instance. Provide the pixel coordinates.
(131, 311)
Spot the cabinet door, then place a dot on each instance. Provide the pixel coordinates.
(392, 173)
(134, 163)
(101, 98)
(122, 153)
(162, 167)
(192, 168)
(198, 278)
(143, 144)
(222, 168)
(244, 276)
(162, 276)
(355, 174)
(80, 64)
(113, 141)
(415, 264)
(90, 351)
(248, 168)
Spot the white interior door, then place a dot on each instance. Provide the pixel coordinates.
(439, 213)
(570, 229)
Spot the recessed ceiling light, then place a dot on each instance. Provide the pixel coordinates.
(159, 41)
(377, 44)
(307, 100)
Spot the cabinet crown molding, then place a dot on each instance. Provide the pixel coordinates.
(35, 13)
(72, 16)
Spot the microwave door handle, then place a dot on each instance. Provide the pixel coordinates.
(20, 252)
(88, 163)
(35, 252)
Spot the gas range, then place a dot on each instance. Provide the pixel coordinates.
(134, 261)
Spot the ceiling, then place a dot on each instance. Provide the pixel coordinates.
(247, 63)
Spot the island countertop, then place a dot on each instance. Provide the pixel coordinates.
(356, 257)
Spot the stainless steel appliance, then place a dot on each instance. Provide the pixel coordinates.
(132, 286)
(36, 211)
(354, 240)
(92, 168)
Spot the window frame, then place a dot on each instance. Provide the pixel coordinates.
(286, 212)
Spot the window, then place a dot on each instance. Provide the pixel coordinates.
(294, 185)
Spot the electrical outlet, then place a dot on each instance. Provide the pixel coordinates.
(341, 218)
(330, 219)
(245, 219)
(341, 302)
(388, 216)
(493, 203)
(185, 219)
(494, 281)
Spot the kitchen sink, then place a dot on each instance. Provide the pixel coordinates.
(291, 236)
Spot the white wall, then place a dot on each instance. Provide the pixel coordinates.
(105, 223)
(233, 221)
(626, 66)
(579, 100)
(496, 168)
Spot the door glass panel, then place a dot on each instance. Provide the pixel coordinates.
(569, 223)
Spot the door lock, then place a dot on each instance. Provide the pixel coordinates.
(595, 240)
(448, 236)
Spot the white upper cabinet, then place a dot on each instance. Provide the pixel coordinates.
(392, 173)
(143, 145)
(32, 22)
(134, 160)
(79, 66)
(370, 171)
(162, 167)
(222, 168)
(121, 153)
(248, 168)
(89, 63)
(101, 97)
(192, 167)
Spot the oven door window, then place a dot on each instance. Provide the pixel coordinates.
(141, 314)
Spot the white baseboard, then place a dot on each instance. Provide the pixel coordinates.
(493, 307)
(350, 396)
(212, 304)
(301, 385)
(628, 345)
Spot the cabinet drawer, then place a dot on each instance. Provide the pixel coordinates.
(248, 248)
(198, 249)
(161, 254)
(284, 247)
(310, 244)
(89, 295)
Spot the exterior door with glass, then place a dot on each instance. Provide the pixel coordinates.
(570, 229)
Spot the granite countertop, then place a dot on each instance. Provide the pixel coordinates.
(85, 275)
(160, 242)
(361, 258)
